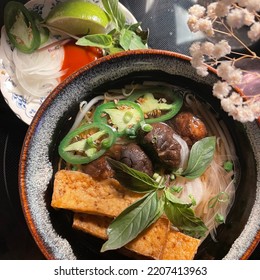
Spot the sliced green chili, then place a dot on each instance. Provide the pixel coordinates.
(21, 28)
(125, 116)
(86, 143)
(157, 109)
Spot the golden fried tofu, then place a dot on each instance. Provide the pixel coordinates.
(150, 243)
(92, 224)
(79, 192)
(96, 203)
(179, 246)
(159, 241)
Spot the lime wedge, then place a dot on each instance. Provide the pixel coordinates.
(78, 18)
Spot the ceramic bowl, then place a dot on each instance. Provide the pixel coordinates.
(52, 230)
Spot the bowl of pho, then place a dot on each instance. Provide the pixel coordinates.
(132, 157)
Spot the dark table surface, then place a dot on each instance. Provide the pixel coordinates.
(16, 242)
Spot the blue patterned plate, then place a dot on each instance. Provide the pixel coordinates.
(23, 105)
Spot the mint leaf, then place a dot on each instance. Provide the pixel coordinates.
(132, 179)
(132, 221)
(115, 14)
(183, 217)
(104, 41)
(201, 155)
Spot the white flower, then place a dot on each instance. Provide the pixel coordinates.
(193, 23)
(254, 32)
(240, 17)
(202, 70)
(222, 9)
(251, 5)
(207, 48)
(236, 98)
(221, 49)
(195, 49)
(221, 89)
(243, 114)
(211, 10)
(227, 105)
(197, 11)
(255, 107)
(228, 72)
(205, 26)
(249, 17)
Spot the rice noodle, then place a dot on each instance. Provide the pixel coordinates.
(83, 110)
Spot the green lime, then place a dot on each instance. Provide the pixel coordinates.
(78, 18)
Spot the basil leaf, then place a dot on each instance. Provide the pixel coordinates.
(129, 40)
(115, 50)
(184, 219)
(132, 221)
(201, 155)
(132, 179)
(116, 15)
(96, 40)
(175, 200)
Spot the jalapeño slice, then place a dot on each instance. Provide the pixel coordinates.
(21, 28)
(158, 103)
(125, 116)
(86, 143)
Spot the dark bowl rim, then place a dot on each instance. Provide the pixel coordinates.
(32, 128)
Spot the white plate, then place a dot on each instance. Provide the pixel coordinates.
(21, 104)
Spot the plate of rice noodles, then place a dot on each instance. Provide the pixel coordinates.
(132, 157)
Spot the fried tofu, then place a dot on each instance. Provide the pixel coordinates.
(179, 246)
(159, 241)
(149, 243)
(96, 203)
(79, 192)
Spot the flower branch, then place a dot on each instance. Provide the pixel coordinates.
(225, 17)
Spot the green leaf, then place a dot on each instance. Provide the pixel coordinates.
(201, 155)
(183, 217)
(132, 179)
(96, 40)
(129, 40)
(175, 200)
(133, 26)
(112, 9)
(115, 50)
(132, 221)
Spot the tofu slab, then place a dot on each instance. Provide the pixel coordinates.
(159, 241)
(79, 192)
(179, 246)
(95, 205)
(150, 243)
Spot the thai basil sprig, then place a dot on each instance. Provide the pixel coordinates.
(122, 37)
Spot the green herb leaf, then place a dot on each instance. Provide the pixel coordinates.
(201, 155)
(175, 200)
(183, 217)
(132, 221)
(129, 40)
(104, 41)
(132, 179)
(116, 15)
